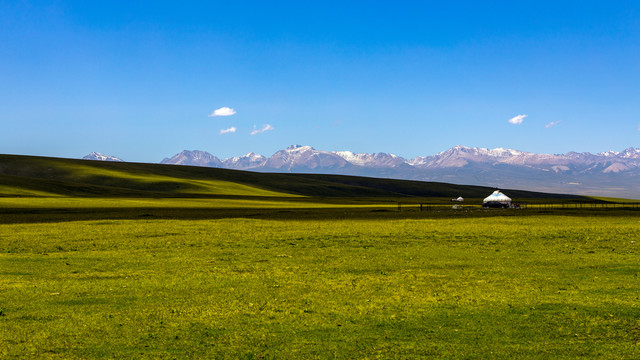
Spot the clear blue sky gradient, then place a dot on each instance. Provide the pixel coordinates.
(138, 81)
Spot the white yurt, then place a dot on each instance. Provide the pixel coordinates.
(497, 199)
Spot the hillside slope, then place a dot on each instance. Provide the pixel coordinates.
(41, 176)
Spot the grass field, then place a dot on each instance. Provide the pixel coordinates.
(120, 260)
(509, 285)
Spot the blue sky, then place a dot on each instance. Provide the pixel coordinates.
(139, 81)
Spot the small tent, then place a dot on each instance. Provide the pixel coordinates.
(497, 199)
(460, 198)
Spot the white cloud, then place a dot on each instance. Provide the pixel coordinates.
(552, 124)
(229, 130)
(223, 111)
(264, 128)
(517, 120)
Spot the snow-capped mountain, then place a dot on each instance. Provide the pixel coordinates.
(97, 156)
(607, 173)
(372, 160)
(195, 157)
(461, 156)
(248, 161)
(304, 158)
(630, 153)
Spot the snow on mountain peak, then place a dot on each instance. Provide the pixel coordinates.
(97, 156)
(499, 152)
(609, 153)
(372, 160)
(245, 162)
(469, 151)
(253, 155)
(630, 153)
(299, 148)
(195, 157)
(350, 157)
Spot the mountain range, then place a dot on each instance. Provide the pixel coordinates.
(608, 173)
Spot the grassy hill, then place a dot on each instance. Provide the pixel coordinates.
(43, 176)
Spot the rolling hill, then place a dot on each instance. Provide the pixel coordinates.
(42, 176)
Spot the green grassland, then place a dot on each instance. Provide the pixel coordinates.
(112, 260)
(534, 286)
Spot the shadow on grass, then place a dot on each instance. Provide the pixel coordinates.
(46, 215)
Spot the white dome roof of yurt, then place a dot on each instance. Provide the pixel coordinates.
(498, 197)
